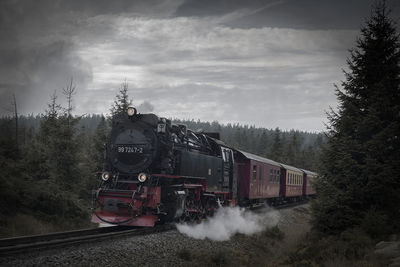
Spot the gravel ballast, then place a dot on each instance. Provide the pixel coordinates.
(159, 249)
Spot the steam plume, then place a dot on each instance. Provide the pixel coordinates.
(228, 221)
(145, 107)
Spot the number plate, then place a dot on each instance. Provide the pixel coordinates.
(130, 149)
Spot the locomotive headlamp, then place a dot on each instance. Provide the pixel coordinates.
(105, 176)
(142, 177)
(131, 111)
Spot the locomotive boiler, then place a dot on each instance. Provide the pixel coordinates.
(156, 171)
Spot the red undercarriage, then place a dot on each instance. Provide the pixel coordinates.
(141, 206)
(128, 207)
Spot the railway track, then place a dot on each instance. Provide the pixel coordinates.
(22, 244)
(16, 245)
(260, 206)
(290, 205)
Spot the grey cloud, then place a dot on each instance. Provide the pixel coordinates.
(219, 7)
(41, 39)
(34, 74)
(295, 14)
(236, 82)
(226, 60)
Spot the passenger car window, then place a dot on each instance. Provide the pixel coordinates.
(254, 172)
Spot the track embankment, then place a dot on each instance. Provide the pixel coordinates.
(171, 248)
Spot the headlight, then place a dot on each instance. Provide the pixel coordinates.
(105, 176)
(131, 111)
(142, 177)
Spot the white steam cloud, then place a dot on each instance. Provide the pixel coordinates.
(145, 107)
(228, 221)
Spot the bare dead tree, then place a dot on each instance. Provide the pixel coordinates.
(16, 122)
(69, 92)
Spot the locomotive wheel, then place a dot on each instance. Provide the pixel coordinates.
(209, 205)
(193, 211)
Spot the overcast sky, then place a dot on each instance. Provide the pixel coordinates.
(264, 63)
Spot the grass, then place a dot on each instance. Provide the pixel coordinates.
(27, 224)
(255, 250)
(185, 255)
(220, 258)
(204, 258)
(351, 248)
(274, 233)
(23, 224)
(291, 244)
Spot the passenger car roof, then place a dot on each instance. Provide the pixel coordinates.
(310, 172)
(258, 158)
(288, 167)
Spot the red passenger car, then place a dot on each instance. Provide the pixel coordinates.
(308, 181)
(291, 182)
(258, 178)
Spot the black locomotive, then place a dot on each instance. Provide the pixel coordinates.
(156, 170)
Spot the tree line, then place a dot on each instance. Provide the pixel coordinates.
(48, 168)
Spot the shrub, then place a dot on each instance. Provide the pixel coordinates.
(352, 244)
(375, 224)
(220, 259)
(185, 254)
(274, 233)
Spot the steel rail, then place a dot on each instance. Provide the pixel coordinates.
(290, 205)
(28, 243)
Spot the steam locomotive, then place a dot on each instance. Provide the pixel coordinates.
(156, 172)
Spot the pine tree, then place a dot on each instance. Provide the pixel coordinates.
(57, 147)
(97, 148)
(262, 144)
(359, 181)
(292, 150)
(276, 151)
(122, 101)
